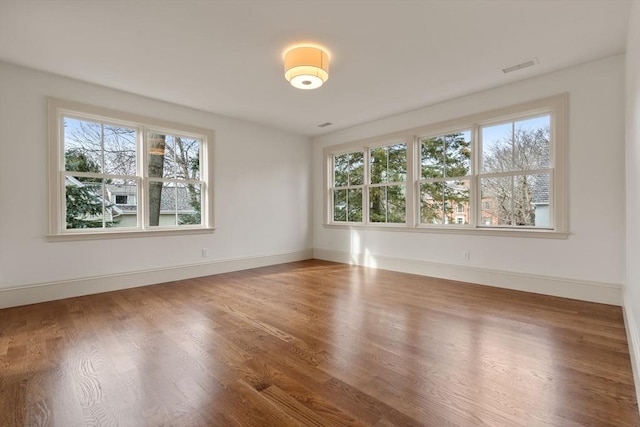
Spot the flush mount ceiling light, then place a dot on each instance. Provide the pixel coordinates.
(306, 67)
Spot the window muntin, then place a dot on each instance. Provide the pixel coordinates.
(102, 176)
(347, 188)
(516, 172)
(445, 169)
(441, 175)
(387, 186)
(174, 188)
(97, 155)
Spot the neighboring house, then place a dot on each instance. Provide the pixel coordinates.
(174, 201)
(111, 212)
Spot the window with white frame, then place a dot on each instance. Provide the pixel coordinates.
(114, 172)
(382, 183)
(387, 183)
(499, 171)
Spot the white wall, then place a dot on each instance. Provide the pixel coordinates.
(261, 181)
(632, 283)
(590, 263)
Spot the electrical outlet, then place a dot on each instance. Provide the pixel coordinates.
(467, 255)
(205, 252)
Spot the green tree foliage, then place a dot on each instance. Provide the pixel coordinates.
(83, 202)
(348, 171)
(388, 165)
(443, 159)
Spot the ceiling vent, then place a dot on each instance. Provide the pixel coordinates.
(520, 66)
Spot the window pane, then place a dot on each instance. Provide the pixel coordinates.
(82, 145)
(396, 204)
(446, 155)
(387, 204)
(497, 148)
(189, 204)
(354, 211)
(519, 145)
(432, 157)
(100, 148)
(440, 202)
(521, 201)
(341, 170)
(187, 154)
(85, 203)
(397, 165)
(339, 205)
(356, 168)
(532, 143)
(456, 193)
(347, 205)
(378, 165)
(432, 202)
(173, 156)
(496, 196)
(348, 169)
(531, 200)
(119, 150)
(122, 195)
(377, 204)
(172, 204)
(389, 164)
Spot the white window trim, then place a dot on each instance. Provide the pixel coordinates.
(557, 106)
(57, 108)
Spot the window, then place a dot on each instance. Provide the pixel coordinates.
(113, 172)
(387, 188)
(445, 172)
(121, 199)
(496, 172)
(382, 183)
(348, 185)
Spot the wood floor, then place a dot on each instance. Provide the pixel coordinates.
(315, 343)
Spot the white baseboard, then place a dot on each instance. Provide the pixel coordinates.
(633, 338)
(605, 293)
(31, 294)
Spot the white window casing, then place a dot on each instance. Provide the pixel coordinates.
(480, 223)
(139, 180)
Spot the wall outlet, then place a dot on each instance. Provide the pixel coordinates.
(466, 255)
(205, 252)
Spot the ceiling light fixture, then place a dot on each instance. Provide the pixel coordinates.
(306, 67)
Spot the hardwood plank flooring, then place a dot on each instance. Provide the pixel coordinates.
(315, 343)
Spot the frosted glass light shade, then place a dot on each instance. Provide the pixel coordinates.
(306, 67)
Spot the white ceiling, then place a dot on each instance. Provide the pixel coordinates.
(387, 57)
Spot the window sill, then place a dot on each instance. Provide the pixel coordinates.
(92, 235)
(530, 233)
